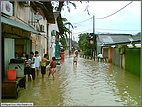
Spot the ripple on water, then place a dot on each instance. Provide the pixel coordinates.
(87, 84)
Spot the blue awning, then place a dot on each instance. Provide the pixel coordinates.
(18, 24)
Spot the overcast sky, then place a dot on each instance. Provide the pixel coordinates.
(127, 19)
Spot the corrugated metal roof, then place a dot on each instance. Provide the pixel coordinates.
(137, 38)
(17, 24)
(112, 39)
(117, 39)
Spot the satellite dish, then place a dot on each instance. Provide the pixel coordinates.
(38, 17)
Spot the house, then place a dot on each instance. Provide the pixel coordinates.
(121, 50)
(26, 26)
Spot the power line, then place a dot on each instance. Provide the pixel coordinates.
(115, 12)
(116, 29)
(83, 20)
(108, 29)
(105, 29)
(81, 31)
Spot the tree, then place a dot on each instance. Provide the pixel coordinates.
(62, 22)
(84, 44)
(138, 34)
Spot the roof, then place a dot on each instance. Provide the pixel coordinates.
(18, 24)
(117, 39)
(136, 38)
(111, 34)
(47, 10)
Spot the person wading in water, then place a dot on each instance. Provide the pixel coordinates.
(43, 65)
(52, 69)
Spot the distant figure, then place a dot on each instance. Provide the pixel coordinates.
(16, 55)
(23, 56)
(76, 53)
(52, 69)
(100, 55)
(43, 65)
(75, 59)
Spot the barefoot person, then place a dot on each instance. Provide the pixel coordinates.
(37, 63)
(43, 65)
(32, 65)
(27, 70)
(52, 69)
(75, 59)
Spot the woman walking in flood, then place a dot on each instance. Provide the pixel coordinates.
(43, 65)
(52, 69)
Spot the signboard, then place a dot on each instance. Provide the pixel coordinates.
(7, 8)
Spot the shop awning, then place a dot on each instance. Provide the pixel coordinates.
(17, 24)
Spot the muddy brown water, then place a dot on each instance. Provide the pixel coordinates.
(87, 84)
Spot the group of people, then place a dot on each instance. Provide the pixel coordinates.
(34, 63)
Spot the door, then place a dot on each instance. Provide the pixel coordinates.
(57, 50)
(9, 52)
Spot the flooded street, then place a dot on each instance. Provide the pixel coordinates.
(87, 84)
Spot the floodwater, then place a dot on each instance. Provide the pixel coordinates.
(87, 84)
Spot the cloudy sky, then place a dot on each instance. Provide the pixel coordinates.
(128, 19)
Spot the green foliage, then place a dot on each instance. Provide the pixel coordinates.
(84, 44)
(138, 34)
(62, 22)
(63, 42)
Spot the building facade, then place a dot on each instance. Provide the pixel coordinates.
(24, 29)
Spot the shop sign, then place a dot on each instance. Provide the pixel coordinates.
(7, 8)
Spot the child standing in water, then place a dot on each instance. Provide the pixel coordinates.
(43, 65)
(27, 70)
(52, 69)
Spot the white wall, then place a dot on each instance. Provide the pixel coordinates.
(9, 52)
(51, 39)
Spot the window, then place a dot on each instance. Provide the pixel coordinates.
(13, 7)
(32, 20)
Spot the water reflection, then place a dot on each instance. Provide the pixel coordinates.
(125, 85)
(88, 83)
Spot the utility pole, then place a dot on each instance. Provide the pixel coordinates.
(94, 36)
(93, 24)
(69, 41)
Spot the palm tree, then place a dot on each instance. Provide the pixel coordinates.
(63, 22)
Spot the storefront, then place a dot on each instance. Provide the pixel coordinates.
(16, 37)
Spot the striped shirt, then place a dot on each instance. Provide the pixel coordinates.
(28, 62)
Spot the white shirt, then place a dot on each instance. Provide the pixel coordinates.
(37, 61)
(100, 55)
(33, 60)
